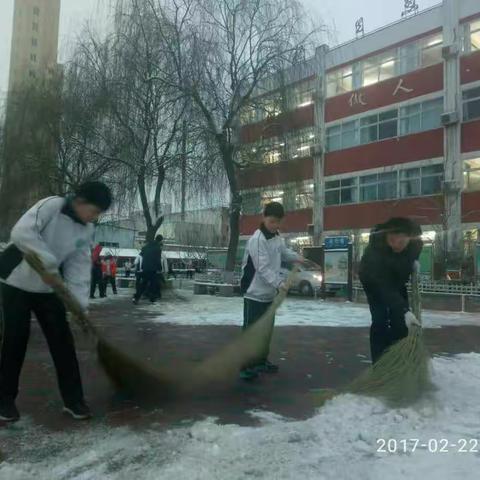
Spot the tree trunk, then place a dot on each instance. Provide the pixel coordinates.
(228, 152)
(184, 170)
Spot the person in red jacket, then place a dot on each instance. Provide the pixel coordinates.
(109, 270)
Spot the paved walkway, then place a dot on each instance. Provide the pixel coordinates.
(309, 357)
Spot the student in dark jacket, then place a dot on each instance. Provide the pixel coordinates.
(151, 266)
(385, 270)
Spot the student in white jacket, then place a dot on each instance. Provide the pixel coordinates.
(60, 231)
(261, 279)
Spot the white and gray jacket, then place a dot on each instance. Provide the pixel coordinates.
(50, 229)
(261, 265)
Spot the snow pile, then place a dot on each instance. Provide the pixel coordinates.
(339, 443)
(211, 310)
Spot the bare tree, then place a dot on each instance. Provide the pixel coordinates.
(222, 51)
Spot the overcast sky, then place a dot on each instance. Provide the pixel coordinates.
(338, 15)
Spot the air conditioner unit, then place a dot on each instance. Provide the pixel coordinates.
(450, 51)
(449, 118)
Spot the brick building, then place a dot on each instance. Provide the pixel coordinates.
(387, 124)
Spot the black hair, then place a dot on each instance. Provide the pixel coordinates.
(159, 238)
(402, 225)
(274, 209)
(95, 193)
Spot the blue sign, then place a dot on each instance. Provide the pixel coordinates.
(336, 243)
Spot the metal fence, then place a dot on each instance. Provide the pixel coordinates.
(443, 287)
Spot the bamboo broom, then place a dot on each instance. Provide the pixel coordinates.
(402, 374)
(147, 382)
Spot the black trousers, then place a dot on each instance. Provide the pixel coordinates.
(110, 280)
(388, 324)
(97, 279)
(147, 283)
(252, 312)
(17, 307)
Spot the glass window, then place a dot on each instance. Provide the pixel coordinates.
(35, 26)
(334, 138)
(349, 134)
(36, 11)
(472, 175)
(432, 179)
(408, 58)
(471, 104)
(33, 57)
(339, 192)
(304, 197)
(368, 188)
(387, 186)
(431, 50)
(421, 116)
(388, 124)
(475, 36)
(34, 42)
(431, 114)
(410, 182)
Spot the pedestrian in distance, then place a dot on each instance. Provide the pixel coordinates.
(385, 269)
(96, 274)
(261, 279)
(128, 266)
(110, 274)
(151, 266)
(60, 231)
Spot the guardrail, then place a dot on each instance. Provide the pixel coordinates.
(443, 287)
(216, 278)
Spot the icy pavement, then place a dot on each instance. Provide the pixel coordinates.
(296, 311)
(340, 442)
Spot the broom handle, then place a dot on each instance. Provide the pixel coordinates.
(61, 290)
(416, 297)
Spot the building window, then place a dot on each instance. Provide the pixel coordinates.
(382, 186)
(304, 197)
(405, 59)
(379, 126)
(35, 26)
(301, 142)
(471, 37)
(301, 95)
(379, 68)
(272, 196)
(421, 116)
(415, 182)
(34, 42)
(471, 104)
(32, 74)
(36, 11)
(340, 192)
(472, 175)
(431, 50)
(33, 57)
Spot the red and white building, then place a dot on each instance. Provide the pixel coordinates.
(385, 125)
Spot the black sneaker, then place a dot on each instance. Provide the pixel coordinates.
(134, 301)
(8, 412)
(78, 411)
(267, 367)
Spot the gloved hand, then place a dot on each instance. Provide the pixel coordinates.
(411, 319)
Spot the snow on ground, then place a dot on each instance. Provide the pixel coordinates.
(339, 443)
(296, 311)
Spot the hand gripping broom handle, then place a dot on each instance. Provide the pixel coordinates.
(61, 290)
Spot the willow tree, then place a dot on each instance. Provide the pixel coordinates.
(223, 50)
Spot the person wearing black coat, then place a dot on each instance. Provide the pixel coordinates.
(385, 270)
(151, 266)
